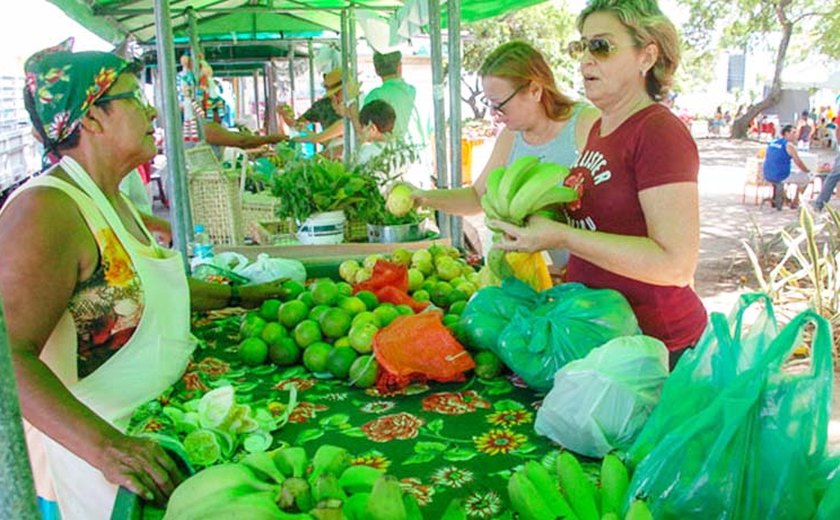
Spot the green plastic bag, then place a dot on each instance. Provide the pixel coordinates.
(568, 322)
(491, 309)
(733, 436)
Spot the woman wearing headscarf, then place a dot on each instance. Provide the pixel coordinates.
(98, 314)
(636, 226)
(541, 121)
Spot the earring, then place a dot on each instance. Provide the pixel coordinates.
(643, 72)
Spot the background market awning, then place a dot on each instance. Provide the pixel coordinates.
(114, 20)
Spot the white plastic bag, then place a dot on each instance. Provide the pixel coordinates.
(600, 403)
(267, 269)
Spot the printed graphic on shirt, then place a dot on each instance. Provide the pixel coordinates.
(589, 170)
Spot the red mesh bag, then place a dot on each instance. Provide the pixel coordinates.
(389, 282)
(419, 348)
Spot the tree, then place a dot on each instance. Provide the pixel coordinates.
(544, 26)
(748, 24)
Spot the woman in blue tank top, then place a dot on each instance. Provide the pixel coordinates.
(539, 120)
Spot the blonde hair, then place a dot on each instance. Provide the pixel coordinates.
(521, 63)
(646, 24)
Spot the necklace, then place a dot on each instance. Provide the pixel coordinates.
(535, 138)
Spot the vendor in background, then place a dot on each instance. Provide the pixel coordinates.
(394, 91)
(98, 315)
(777, 170)
(331, 136)
(321, 112)
(636, 226)
(539, 120)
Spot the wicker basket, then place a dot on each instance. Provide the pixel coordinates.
(256, 208)
(215, 202)
(355, 231)
(277, 232)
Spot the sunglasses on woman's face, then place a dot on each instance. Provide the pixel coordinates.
(599, 48)
(136, 94)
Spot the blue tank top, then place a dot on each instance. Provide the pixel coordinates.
(777, 161)
(561, 150)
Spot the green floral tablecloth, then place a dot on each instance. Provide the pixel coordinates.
(441, 440)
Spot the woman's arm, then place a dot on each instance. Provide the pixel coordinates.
(331, 132)
(214, 133)
(667, 256)
(467, 201)
(37, 280)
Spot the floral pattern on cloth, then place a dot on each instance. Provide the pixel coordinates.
(442, 441)
(65, 84)
(106, 308)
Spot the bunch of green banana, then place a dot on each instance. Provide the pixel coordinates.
(537, 494)
(525, 187)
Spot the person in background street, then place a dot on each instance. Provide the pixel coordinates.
(394, 91)
(636, 226)
(321, 112)
(331, 136)
(777, 170)
(804, 131)
(97, 313)
(831, 179)
(521, 93)
(377, 119)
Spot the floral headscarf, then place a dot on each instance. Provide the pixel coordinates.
(65, 84)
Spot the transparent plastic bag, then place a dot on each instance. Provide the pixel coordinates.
(601, 402)
(267, 269)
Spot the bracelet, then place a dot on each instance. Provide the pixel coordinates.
(234, 300)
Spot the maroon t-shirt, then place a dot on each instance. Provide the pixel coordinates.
(650, 149)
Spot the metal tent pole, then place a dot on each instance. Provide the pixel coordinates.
(174, 143)
(440, 110)
(257, 96)
(195, 48)
(292, 76)
(271, 97)
(454, 41)
(345, 78)
(18, 497)
(311, 73)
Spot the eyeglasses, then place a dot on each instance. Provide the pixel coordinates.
(599, 48)
(501, 105)
(136, 94)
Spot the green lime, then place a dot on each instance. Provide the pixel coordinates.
(353, 305)
(404, 310)
(335, 322)
(307, 332)
(365, 317)
(487, 365)
(457, 295)
(415, 279)
(291, 290)
(421, 296)
(339, 361)
(458, 307)
(269, 308)
(253, 351)
(342, 342)
(361, 337)
(440, 294)
(285, 352)
(291, 313)
(317, 311)
(347, 270)
(273, 332)
(451, 319)
(401, 257)
(306, 298)
(344, 288)
(364, 371)
(386, 313)
(315, 356)
(324, 292)
(370, 300)
(251, 325)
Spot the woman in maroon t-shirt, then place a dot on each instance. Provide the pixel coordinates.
(636, 226)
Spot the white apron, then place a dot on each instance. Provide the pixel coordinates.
(153, 359)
